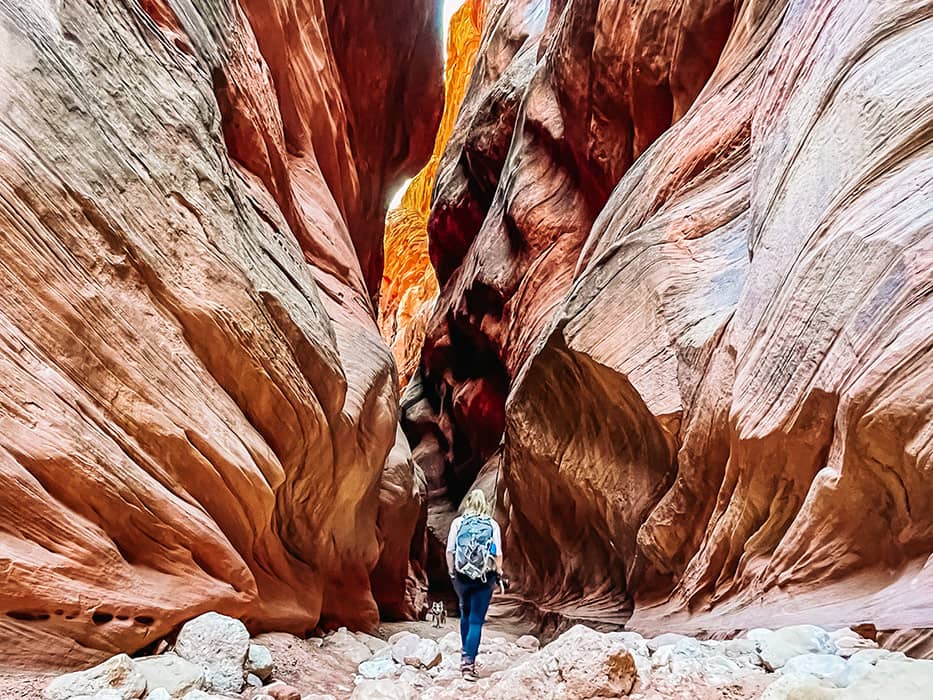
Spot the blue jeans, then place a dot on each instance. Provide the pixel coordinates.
(474, 602)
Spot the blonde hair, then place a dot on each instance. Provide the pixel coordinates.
(476, 504)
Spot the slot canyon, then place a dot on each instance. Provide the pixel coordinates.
(658, 280)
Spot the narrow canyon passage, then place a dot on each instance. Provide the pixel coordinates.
(659, 284)
(653, 293)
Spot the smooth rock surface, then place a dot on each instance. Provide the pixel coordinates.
(117, 676)
(784, 644)
(219, 645)
(259, 661)
(171, 673)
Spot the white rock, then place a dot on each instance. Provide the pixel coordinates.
(374, 643)
(819, 665)
(347, 645)
(668, 638)
(581, 663)
(796, 687)
(450, 643)
(382, 667)
(159, 694)
(633, 641)
(759, 634)
(259, 661)
(427, 654)
(889, 679)
(253, 681)
(103, 695)
(861, 663)
(118, 675)
(490, 662)
(219, 645)
(743, 651)
(171, 672)
(416, 679)
(783, 644)
(383, 690)
(404, 646)
(849, 642)
(397, 636)
(526, 641)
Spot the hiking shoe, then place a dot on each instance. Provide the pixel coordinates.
(469, 672)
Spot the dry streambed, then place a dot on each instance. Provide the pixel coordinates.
(213, 657)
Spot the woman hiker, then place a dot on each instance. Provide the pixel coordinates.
(474, 560)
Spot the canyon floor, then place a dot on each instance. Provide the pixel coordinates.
(414, 660)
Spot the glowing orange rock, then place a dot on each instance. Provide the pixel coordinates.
(409, 285)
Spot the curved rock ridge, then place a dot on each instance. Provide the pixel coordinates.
(409, 285)
(196, 408)
(684, 252)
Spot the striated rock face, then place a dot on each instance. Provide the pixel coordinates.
(409, 285)
(196, 406)
(684, 253)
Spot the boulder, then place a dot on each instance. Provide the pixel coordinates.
(219, 646)
(778, 647)
(426, 654)
(450, 643)
(378, 667)
(253, 681)
(894, 679)
(259, 661)
(526, 641)
(665, 639)
(347, 645)
(373, 643)
(172, 673)
(581, 663)
(117, 676)
(383, 690)
(159, 694)
(818, 665)
(404, 646)
(633, 641)
(848, 642)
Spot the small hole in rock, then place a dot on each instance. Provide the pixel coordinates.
(123, 617)
(144, 619)
(100, 618)
(27, 616)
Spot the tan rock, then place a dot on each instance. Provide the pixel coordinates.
(170, 672)
(116, 676)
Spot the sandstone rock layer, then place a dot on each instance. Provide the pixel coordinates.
(196, 407)
(685, 262)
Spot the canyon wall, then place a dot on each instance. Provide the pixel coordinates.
(197, 411)
(684, 252)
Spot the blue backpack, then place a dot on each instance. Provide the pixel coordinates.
(473, 556)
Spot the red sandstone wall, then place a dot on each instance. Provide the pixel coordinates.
(684, 255)
(196, 408)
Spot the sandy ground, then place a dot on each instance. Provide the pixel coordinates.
(15, 685)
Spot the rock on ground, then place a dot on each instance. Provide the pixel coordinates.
(171, 673)
(117, 676)
(259, 661)
(219, 645)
